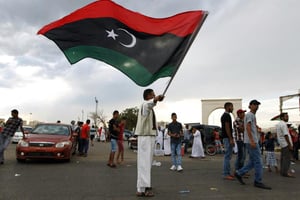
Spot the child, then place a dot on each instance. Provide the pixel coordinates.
(270, 157)
(217, 140)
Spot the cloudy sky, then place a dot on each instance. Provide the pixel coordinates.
(245, 49)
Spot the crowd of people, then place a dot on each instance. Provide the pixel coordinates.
(242, 134)
(247, 136)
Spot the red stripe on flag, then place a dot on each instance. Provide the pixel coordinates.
(181, 24)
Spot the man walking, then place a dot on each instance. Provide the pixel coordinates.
(85, 136)
(285, 142)
(175, 132)
(186, 138)
(10, 127)
(238, 125)
(146, 132)
(114, 131)
(251, 141)
(227, 140)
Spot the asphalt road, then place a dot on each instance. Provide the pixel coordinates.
(89, 178)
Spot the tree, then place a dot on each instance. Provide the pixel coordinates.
(98, 119)
(131, 116)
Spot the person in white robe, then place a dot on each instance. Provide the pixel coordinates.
(159, 139)
(146, 132)
(167, 143)
(158, 151)
(197, 149)
(102, 135)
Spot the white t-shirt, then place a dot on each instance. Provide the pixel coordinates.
(282, 130)
(250, 118)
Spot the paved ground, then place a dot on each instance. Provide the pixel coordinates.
(89, 178)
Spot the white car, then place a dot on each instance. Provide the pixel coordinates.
(19, 135)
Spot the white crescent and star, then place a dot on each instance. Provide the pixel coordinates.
(112, 34)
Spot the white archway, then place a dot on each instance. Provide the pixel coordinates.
(209, 105)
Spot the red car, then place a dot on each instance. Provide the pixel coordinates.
(48, 141)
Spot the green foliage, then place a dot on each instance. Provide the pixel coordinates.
(131, 115)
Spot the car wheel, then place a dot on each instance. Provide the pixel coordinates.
(210, 150)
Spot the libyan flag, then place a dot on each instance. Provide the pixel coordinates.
(143, 48)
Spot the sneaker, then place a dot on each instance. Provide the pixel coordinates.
(239, 178)
(262, 186)
(179, 168)
(173, 168)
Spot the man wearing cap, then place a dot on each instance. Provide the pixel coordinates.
(251, 141)
(10, 127)
(238, 126)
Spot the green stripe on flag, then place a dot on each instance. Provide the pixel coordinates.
(129, 66)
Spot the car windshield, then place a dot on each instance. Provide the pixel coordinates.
(47, 129)
(28, 129)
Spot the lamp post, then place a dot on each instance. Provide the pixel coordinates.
(30, 115)
(96, 100)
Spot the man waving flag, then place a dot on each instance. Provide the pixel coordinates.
(143, 48)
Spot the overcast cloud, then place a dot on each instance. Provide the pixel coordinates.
(245, 49)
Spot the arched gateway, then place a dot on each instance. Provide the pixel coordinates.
(209, 105)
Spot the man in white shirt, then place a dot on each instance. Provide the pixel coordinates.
(146, 132)
(285, 142)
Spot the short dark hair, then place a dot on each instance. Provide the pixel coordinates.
(146, 93)
(88, 121)
(227, 104)
(115, 112)
(282, 115)
(15, 111)
(173, 114)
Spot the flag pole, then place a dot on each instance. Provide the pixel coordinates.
(193, 36)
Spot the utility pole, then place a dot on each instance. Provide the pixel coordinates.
(96, 100)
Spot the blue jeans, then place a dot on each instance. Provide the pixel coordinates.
(254, 161)
(241, 155)
(176, 153)
(84, 146)
(227, 157)
(113, 145)
(4, 142)
(186, 145)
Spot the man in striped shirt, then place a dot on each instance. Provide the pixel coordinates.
(10, 127)
(238, 126)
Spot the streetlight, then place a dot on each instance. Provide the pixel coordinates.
(96, 100)
(30, 115)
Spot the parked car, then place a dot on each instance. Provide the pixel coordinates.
(207, 132)
(127, 134)
(132, 142)
(19, 135)
(47, 141)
